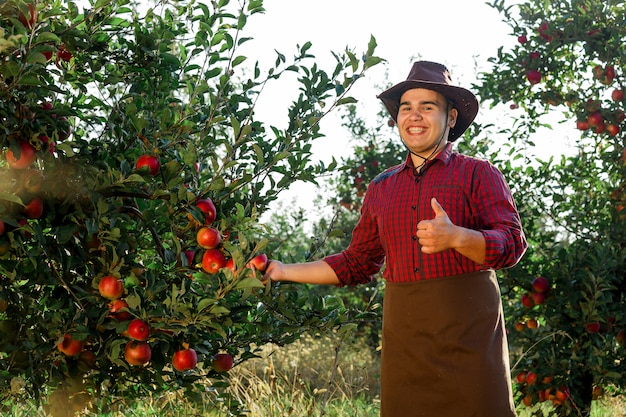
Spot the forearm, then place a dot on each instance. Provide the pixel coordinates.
(471, 244)
(317, 272)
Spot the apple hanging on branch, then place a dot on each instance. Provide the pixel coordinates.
(137, 353)
(138, 330)
(222, 362)
(184, 359)
(111, 287)
(147, 164)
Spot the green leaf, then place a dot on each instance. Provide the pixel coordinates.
(249, 282)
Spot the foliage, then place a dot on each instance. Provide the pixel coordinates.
(91, 91)
(568, 64)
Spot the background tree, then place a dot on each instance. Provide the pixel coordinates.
(567, 66)
(134, 171)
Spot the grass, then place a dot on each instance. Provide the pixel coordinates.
(313, 377)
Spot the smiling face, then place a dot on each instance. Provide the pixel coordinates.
(423, 117)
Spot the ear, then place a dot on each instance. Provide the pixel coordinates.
(452, 115)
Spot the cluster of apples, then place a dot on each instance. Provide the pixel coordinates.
(28, 15)
(540, 389)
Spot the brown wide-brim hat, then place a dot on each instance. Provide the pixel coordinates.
(436, 77)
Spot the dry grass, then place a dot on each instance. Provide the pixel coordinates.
(310, 377)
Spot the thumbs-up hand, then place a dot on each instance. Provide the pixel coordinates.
(437, 234)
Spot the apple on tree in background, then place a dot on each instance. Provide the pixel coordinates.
(222, 362)
(116, 308)
(138, 330)
(612, 129)
(26, 156)
(207, 207)
(541, 284)
(213, 260)
(527, 300)
(69, 346)
(208, 237)
(533, 77)
(137, 353)
(593, 327)
(617, 94)
(147, 163)
(34, 208)
(184, 359)
(111, 287)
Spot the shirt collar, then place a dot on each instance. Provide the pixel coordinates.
(443, 156)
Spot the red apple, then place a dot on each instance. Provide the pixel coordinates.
(521, 377)
(137, 353)
(582, 125)
(259, 262)
(34, 208)
(26, 156)
(620, 337)
(595, 119)
(138, 330)
(617, 94)
(2, 227)
(527, 301)
(532, 323)
(538, 297)
(184, 360)
(147, 163)
(222, 362)
(593, 327)
(562, 394)
(70, 347)
(63, 54)
(207, 207)
(213, 260)
(116, 307)
(533, 77)
(531, 377)
(111, 287)
(87, 358)
(188, 256)
(519, 326)
(612, 129)
(522, 39)
(230, 264)
(208, 237)
(541, 284)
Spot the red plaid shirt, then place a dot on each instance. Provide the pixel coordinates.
(473, 193)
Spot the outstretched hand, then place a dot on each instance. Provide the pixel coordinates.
(437, 234)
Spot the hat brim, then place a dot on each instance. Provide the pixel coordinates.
(462, 99)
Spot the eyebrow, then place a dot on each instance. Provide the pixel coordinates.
(404, 103)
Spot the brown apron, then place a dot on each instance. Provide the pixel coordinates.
(445, 350)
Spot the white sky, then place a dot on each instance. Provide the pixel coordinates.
(461, 34)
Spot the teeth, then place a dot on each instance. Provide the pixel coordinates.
(416, 129)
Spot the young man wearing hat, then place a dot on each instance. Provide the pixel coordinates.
(442, 223)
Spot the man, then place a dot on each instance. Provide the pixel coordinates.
(442, 223)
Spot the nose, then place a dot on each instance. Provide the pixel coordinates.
(415, 114)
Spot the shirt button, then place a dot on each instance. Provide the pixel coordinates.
(416, 270)
(414, 237)
(413, 206)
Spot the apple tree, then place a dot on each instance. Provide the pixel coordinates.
(133, 174)
(566, 300)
